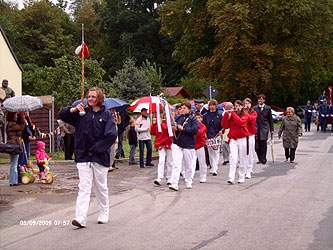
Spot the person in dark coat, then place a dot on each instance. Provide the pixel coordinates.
(308, 110)
(324, 113)
(95, 132)
(133, 142)
(212, 120)
(199, 106)
(69, 139)
(290, 129)
(322, 98)
(264, 126)
(183, 146)
(124, 122)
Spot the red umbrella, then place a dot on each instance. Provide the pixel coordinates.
(148, 102)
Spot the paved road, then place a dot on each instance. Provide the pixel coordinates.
(284, 206)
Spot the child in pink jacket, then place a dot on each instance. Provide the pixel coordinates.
(41, 158)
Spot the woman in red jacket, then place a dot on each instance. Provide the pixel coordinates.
(237, 122)
(200, 142)
(251, 126)
(163, 144)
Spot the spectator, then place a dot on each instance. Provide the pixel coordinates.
(133, 142)
(68, 132)
(290, 129)
(9, 91)
(308, 110)
(143, 132)
(14, 131)
(124, 121)
(199, 106)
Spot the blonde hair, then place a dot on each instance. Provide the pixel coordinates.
(291, 109)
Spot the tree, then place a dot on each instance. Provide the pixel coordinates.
(153, 75)
(45, 31)
(131, 82)
(63, 81)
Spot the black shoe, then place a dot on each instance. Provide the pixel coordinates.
(117, 156)
(214, 174)
(264, 162)
(225, 162)
(150, 164)
(142, 167)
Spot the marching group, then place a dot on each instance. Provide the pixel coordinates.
(197, 137)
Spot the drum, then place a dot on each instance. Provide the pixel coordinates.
(214, 143)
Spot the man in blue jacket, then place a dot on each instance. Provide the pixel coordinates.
(323, 115)
(95, 133)
(308, 110)
(212, 120)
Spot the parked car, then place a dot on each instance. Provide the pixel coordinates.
(275, 119)
(278, 114)
(278, 109)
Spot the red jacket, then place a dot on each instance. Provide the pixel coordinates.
(162, 138)
(251, 123)
(237, 125)
(200, 137)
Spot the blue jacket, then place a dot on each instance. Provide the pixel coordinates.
(212, 122)
(308, 111)
(324, 111)
(95, 132)
(186, 138)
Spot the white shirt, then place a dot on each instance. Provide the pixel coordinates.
(141, 128)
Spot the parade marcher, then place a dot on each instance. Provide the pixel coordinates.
(124, 122)
(264, 126)
(212, 120)
(290, 129)
(9, 91)
(331, 113)
(199, 106)
(308, 111)
(252, 132)
(163, 144)
(237, 121)
(68, 132)
(200, 142)
(183, 146)
(143, 132)
(14, 131)
(95, 132)
(324, 113)
(132, 141)
(322, 98)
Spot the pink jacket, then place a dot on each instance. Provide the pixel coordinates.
(40, 153)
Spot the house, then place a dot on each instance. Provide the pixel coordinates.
(10, 67)
(179, 92)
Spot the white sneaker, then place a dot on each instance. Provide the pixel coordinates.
(188, 186)
(248, 175)
(173, 187)
(242, 180)
(157, 182)
(78, 223)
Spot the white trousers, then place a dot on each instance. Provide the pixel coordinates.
(214, 157)
(182, 156)
(250, 157)
(164, 156)
(200, 153)
(89, 173)
(237, 151)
